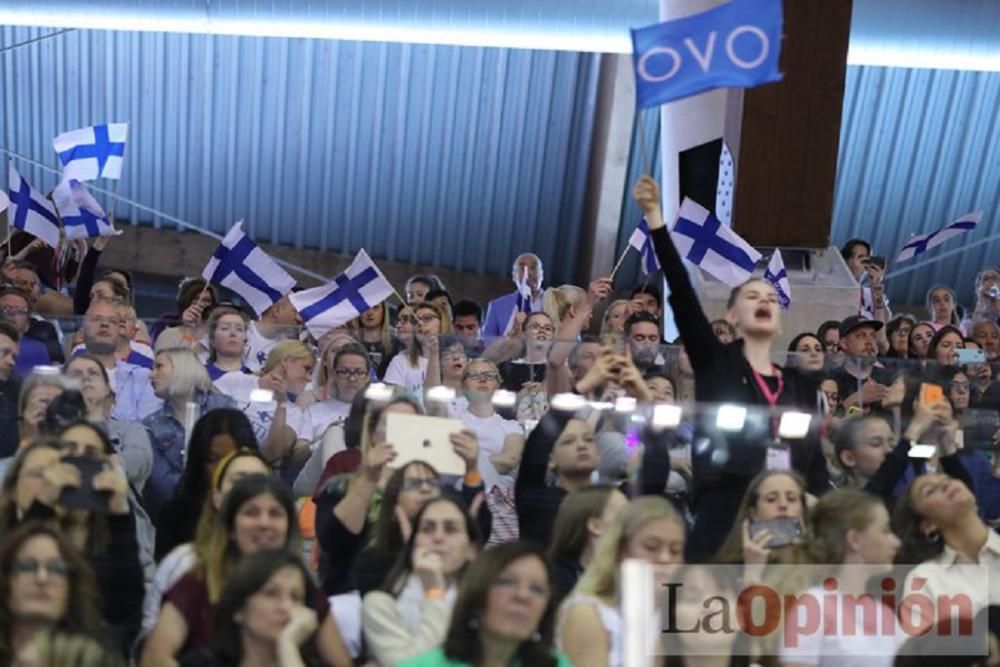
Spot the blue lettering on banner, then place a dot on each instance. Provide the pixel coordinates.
(736, 45)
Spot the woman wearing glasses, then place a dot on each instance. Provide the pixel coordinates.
(347, 375)
(419, 364)
(46, 591)
(500, 440)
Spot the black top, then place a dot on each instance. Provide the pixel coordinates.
(723, 375)
(45, 333)
(341, 568)
(176, 524)
(516, 375)
(85, 281)
(118, 573)
(9, 392)
(886, 479)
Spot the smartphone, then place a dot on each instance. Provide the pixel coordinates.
(784, 530)
(931, 393)
(922, 451)
(420, 438)
(973, 356)
(85, 497)
(877, 261)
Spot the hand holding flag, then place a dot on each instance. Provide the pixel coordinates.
(82, 217)
(360, 287)
(640, 241)
(247, 270)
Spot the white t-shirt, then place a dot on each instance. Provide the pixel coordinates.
(239, 386)
(324, 414)
(872, 646)
(491, 432)
(257, 348)
(401, 374)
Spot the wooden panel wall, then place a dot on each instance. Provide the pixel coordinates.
(791, 132)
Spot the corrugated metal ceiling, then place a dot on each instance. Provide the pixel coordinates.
(447, 156)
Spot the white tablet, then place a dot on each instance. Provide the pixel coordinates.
(420, 438)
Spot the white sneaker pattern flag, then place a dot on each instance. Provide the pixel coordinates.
(29, 210)
(92, 152)
(239, 264)
(354, 291)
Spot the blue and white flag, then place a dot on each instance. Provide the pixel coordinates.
(29, 210)
(776, 274)
(82, 217)
(92, 152)
(247, 270)
(640, 241)
(354, 291)
(918, 245)
(522, 303)
(708, 244)
(735, 45)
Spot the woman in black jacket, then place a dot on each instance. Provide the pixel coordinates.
(740, 372)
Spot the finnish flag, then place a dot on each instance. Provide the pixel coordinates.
(82, 216)
(29, 210)
(640, 241)
(247, 270)
(92, 152)
(360, 287)
(705, 242)
(776, 274)
(708, 244)
(918, 245)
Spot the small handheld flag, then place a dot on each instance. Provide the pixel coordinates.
(82, 217)
(640, 241)
(776, 274)
(360, 287)
(702, 240)
(239, 264)
(92, 152)
(29, 210)
(918, 245)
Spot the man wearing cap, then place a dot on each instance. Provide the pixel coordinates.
(861, 379)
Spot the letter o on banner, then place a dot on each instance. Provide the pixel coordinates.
(765, 46)
(772, 611)
(658, 50)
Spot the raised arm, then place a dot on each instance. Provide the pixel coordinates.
(701, 344)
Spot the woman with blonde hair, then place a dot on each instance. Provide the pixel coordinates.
(590, 620)
(560, 302)
(178, 378)
(282, 427)
(614, 318)
(375, 333)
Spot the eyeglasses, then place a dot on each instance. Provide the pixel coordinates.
(25, 567)
(483, 375)
(961, 386)
(407, 319)
(13, 310)
(425, 319)
(352, 373)
(418, 483)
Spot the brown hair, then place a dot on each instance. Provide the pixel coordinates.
(731, 551)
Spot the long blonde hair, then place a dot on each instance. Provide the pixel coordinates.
(559, 300)
(600, 579)
(190, 377)
(286, 349)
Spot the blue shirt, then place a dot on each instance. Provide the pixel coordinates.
(31, 353)
(166, 433)
(134, 397)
